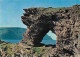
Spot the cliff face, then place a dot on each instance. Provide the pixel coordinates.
(64, 22)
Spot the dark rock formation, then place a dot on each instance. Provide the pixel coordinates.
(64, 22)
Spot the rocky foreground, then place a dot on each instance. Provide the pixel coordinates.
(23, 50)
(64, 22)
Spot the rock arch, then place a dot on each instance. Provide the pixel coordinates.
(64, 22)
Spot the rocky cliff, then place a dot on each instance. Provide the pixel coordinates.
(64, 22)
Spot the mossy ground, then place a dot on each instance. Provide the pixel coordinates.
(11, 49)
(38, 51)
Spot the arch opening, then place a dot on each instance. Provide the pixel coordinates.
(49, 38)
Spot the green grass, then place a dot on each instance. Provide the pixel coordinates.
(39, 51)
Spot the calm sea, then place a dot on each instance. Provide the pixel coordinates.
(43, 41)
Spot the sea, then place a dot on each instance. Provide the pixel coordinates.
(15, 35)
(44, 41)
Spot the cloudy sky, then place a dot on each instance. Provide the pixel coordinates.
(12, 10)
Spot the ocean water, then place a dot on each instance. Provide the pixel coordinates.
(43, 41)
(15, 35)
(46, 40)
(11, 41)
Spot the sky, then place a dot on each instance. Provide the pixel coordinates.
(12, 10)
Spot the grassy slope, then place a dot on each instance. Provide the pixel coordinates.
(12, 33)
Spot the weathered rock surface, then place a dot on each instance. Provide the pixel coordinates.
(64, 22)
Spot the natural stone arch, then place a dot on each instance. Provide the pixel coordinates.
(36, 31)
(67, 27)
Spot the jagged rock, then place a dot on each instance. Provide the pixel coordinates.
(64, 22)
